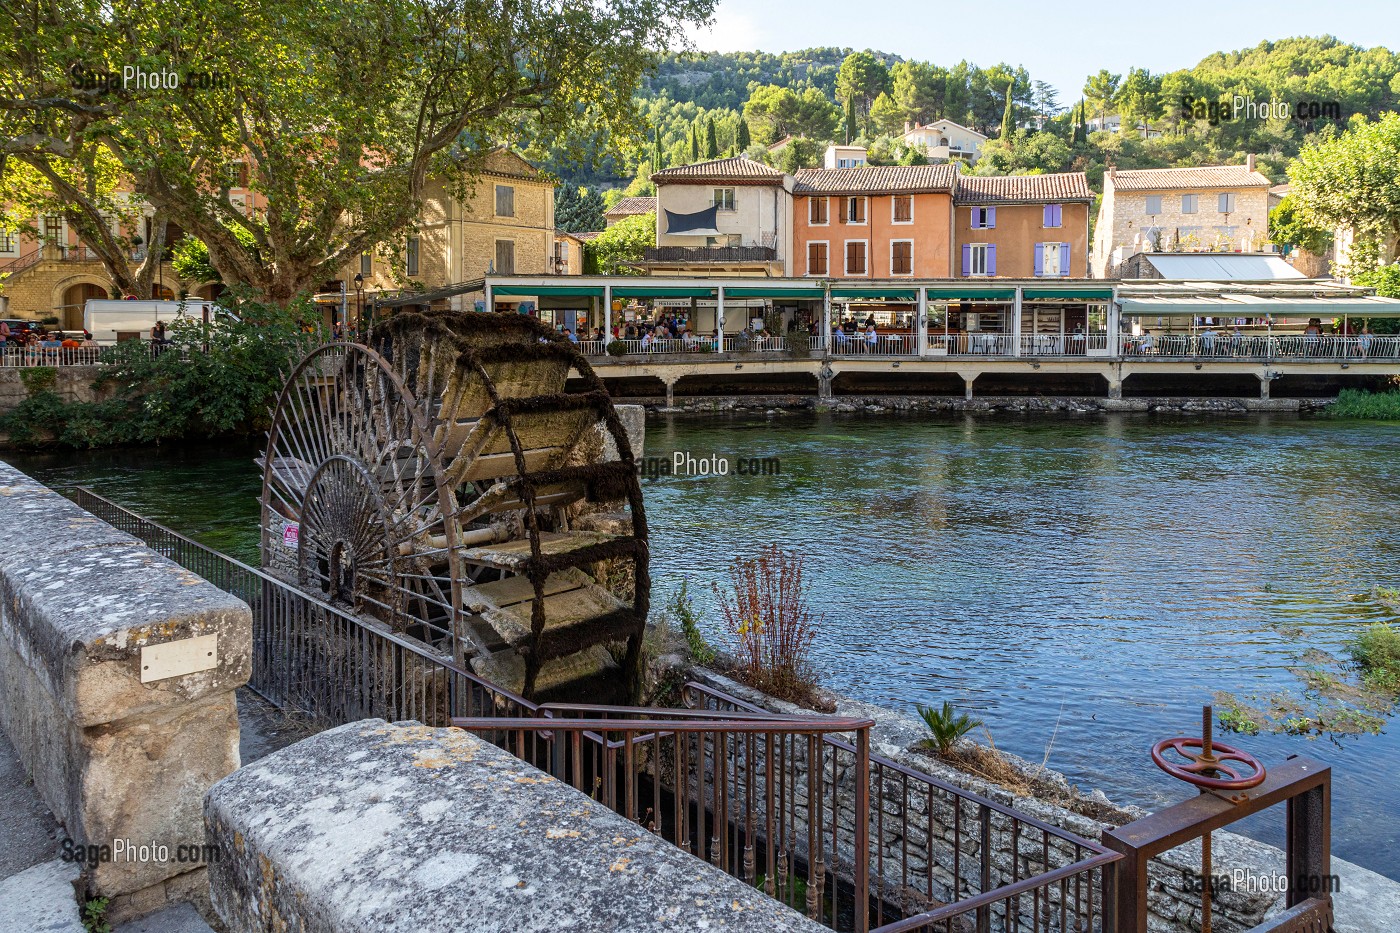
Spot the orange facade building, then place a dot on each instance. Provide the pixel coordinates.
(874, 222)
(1022, 226)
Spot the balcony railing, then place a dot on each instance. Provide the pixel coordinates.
(711, 254)
(1291, 347)
(1064, 344)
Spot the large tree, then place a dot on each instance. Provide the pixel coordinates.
(1101, 90)
(1353, 181)
(340, 111)
(862, 78)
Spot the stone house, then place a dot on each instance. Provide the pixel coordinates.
(1219, 208)
(879, 221)
(725, 216)
(1022, 226)
(944, 140)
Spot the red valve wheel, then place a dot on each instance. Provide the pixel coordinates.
(1200, 765)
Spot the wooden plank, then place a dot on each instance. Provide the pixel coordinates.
(495, 466)
(576, 607)
(510, 555)
(500, 498)
(502, 593)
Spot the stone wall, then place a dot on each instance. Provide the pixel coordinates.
(89, 616)
(1009, 404)
(375, 826)
(70, 383)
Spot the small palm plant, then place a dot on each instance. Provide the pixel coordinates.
(947, 726)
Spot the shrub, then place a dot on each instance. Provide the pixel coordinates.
(1358, 403)
(799, 342)
(683, 609)
(946, 726)
(617, 348)
(1376, 650)
(768, 620)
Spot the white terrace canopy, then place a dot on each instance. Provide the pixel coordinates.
(1291, 300)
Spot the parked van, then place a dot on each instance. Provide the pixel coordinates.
(112, 320)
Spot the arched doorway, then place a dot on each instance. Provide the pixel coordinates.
(70, 307)
(162, 292)
(210, 291)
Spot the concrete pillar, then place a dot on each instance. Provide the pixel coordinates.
(921, 324)
(825, 375)
(826, 321)
(671, 392)
(967, 384)
(490, 303)
(719, 319)
(1115, 386)
(1264, 379)
(607, 312)
(1015, 327)
(1115, 336)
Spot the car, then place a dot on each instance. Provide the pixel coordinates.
(19, 325)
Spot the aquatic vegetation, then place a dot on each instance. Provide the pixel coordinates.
(947, 726)
(1241, 719)
(1358, 403)
(766, 612)
(1376, 651)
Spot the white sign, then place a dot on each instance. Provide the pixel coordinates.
(176, 658)
(290, 535)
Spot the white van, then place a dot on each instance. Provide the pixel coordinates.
(112, 320)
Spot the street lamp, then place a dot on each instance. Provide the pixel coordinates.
(359, 281)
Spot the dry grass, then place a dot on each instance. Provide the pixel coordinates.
(765, 611)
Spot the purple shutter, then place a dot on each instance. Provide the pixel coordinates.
(1064, 260)
(1048, 217)
(976, 215)
(1040, 259)
(991, 217)
(967, 259)
(1059, 215)
(991, 259)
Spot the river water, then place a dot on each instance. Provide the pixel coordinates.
(1081, 585)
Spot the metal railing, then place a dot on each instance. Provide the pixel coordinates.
(710, 254)
(15, 356)
(1261, 347)
(978, 344)
(843, 344)
(1063, 344)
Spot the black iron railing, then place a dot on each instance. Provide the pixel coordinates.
(711, 254)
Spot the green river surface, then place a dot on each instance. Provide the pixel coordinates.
(1082, 585)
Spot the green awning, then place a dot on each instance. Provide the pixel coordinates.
(661, 291)
(537, 291)
(971, 291)
(888, 294)
(1069, 293)
(745, 291)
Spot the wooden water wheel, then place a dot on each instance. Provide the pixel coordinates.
(441, 480)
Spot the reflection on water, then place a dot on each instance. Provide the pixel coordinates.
(1093, 580)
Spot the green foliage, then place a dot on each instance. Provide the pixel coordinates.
(180, 392)
(1239, 720)
(1376, 651)
(1360, 404)
(617, 348)
(579, 210)
(1008, 117)
(1385, 280)
(711, 139)
(682, 608)
(190, 256)
(94, 916)
(624, 242)
(946, 725)
(1287, 228)
(38, 379)
(863, 77)
(1353, 180)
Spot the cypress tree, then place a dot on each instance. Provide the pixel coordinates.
(1008, 120)
(744, 140)
(711, 139)
(694, 145)
(850, 118)
(657, 158)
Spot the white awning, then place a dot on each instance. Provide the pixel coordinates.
(1257, 306)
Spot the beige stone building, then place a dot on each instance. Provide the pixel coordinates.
(724, 216)
(1217, 208)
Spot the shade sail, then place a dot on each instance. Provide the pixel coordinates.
(888, 294)
(700, 223)
(661, 291)
(814, 294)
(571, 291)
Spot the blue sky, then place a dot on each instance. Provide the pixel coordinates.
(1057, 42)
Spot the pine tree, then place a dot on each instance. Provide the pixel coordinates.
(850, 119)
(744, 140)
(711, 139)
(1008, 117)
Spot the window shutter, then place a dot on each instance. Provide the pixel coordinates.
(967, 259)
(1039, 259)
(976, 215)
(992, 258)
(1064, 260)
(1059, 214)
(1047, 218)
(991, 217)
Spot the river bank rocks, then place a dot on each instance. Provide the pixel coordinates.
(1059, 405)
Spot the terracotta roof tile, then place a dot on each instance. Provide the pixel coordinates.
(737, 168)
(998, 189)
(877, 179)
(629, 206)
(1172, 179)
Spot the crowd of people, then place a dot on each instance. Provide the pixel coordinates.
(38, 347)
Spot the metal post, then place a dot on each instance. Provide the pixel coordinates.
(921, 322)
(607, 314)
(719, 320)
(1016, 323)
(862, 846)
(826, 320)
(1308, 848)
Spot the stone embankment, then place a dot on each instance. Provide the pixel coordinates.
(1071, 405)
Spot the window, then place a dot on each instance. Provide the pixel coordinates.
(855, 210)
(1052, 259)
(411, 259)
(723, 198)
(984, 218)
(1190, 203)
(9, 241)
(816, 258)
(855, 257)
(1227, 202)
(236, 174)
(53, 229)
(816, 212)
(1154, 204)
(505, 257)
(902, 257)
(505, 201)
(902, 211)
(1053, 215)
(366, 264)
(979, 259)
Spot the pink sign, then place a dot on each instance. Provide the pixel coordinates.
(289, 535)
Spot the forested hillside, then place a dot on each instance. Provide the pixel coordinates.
(699, 106)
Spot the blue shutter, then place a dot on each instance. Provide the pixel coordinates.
(1064, 260)
(992, 258)
(991, 217)
(1039, 259)
(1047, 217)
(967, 259)
(976, 214)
